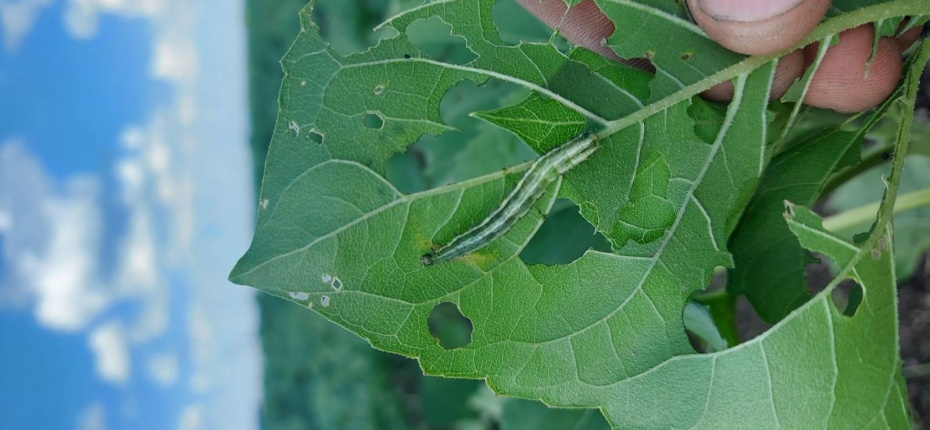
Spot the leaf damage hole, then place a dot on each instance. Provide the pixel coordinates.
(315, 137)
(434, 38)
(301, 296)
(378, 89)
(847, 296)
(333, 281)
(373, 121)
(324, 300)
(564, 236)
(449, 327)
(294, 127)
(686, 56)
(702, 330)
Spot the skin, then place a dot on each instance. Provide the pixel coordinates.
(758, 27)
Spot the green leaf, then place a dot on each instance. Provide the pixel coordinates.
(603, 331)
(768, 260)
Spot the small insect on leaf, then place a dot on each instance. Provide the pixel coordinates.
(544, 171)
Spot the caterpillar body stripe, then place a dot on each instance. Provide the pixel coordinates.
(531, 187)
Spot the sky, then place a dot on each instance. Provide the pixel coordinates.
(125, 199)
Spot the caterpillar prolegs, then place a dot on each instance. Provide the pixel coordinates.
(531, 187)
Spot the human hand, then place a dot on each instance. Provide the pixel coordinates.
(759, 27)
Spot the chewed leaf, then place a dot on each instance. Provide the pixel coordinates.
(603, 331)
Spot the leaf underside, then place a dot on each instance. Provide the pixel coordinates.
(604, 331)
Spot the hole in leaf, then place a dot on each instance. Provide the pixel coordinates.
(434, 38)
(847, 296)
(340, 26)
(702, 330)
(686, 56)
(449, 326)
(476, 149)
(748, 323)
(516, 25)
(315, 137)
(817, 272)
(373, 121)
(564, 237)
(404, 170)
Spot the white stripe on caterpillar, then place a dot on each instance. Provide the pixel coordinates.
(544, 171)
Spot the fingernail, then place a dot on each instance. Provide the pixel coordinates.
(746, 10)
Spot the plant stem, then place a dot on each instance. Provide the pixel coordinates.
(864, 214)
(831, 26)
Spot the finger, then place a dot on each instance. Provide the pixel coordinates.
(907, 39)
(758, 27)
(584, 25)
(841, 82)
(788, 69)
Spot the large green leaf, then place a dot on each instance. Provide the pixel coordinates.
(602, 331)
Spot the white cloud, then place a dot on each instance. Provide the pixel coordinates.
(64, 276)
(163, 369)
(111, 353)
(175, 59)
(156, 173)
(6, 221)
(17, 18)
(93, 418)
(81, 16)
(52, 242)
(191, 418)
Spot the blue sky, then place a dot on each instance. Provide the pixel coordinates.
(125, 198)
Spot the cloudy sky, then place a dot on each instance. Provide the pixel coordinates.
(125, 198)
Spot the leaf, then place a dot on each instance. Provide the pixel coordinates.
(768, 260)
(602, 331)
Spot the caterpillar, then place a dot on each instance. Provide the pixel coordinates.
(531, 187)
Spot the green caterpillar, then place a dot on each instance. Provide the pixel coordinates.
(544, 171)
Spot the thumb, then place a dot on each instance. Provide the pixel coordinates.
(758, 26)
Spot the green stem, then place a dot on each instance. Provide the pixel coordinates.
(916, 64)
(864, 214)
(829, 27)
